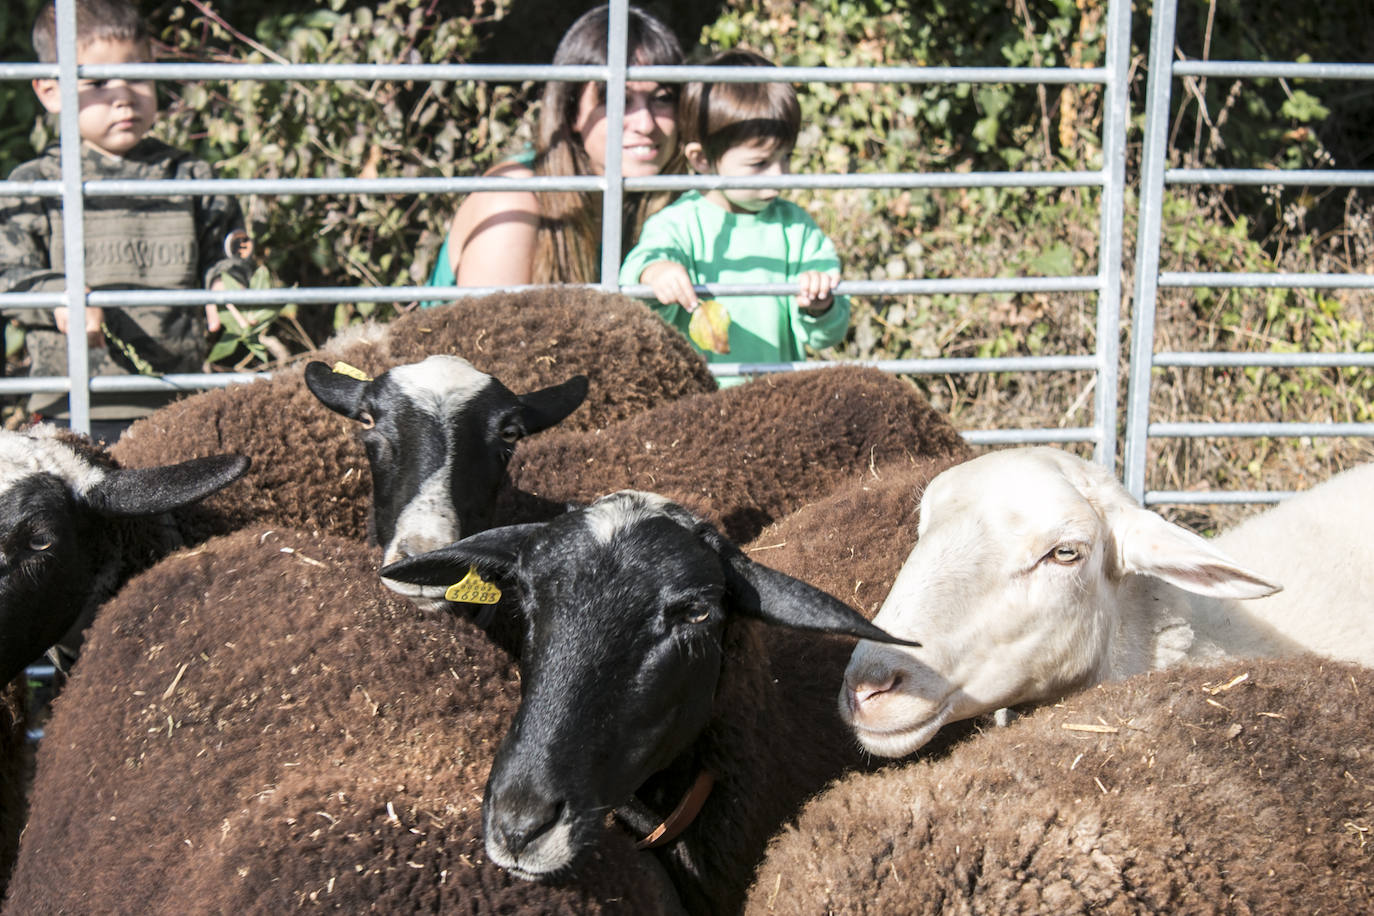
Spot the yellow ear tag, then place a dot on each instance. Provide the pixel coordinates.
(351, 372)
(473, 589)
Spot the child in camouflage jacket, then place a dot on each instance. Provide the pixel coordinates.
(177, 242)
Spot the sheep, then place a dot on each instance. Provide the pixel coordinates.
(729, 453)
(15, 770)
(1035, 574)
(745, 456)
(311, 473)
(1246, 787)
(75, 525)
(259, 725)
(658, 663)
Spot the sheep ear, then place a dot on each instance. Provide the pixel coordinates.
(543, 408)
(148, 491)
(766, 594)
(341, 393)
(1148, 545)
(494, 552)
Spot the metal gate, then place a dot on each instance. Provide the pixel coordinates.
(1103, 360)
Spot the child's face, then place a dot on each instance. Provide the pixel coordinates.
(116, 113)
(748, 160)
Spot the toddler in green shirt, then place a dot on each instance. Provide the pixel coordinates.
(742, 235)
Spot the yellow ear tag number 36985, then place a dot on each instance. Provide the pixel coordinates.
(473, 589)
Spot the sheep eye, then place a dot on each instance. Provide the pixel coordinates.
(40, 542)
(696, 613)
(510, 433)
(366, 419)
(1065, 555)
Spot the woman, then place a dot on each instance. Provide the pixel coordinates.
(507, 238)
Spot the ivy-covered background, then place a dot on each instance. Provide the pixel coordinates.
(322, 129)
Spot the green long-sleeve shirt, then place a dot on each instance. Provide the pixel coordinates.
(775, 245)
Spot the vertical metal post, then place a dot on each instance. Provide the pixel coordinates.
(1148, 231)
(613, 196)
(1115, 118)
(73, 220)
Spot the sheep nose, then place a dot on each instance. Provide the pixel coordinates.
(868, 688)
(412, 545)
(517, 826)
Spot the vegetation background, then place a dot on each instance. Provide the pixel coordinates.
(352, 128)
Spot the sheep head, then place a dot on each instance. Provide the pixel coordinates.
(61, 552)
(439, 435)
(1023, 586)
(625, 607)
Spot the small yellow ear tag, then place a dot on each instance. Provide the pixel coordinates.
(473, 589)
(351, 372)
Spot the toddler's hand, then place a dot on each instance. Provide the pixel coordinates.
(816, 292)
(212, 322)
(95, 337)
(670, 283)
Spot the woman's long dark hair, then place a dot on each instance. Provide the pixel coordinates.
(566, 249)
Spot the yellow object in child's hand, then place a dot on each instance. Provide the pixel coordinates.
(710, 327)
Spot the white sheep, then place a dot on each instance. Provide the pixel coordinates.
(1035, 574)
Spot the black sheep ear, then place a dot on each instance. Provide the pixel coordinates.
(494, 553)
(543, 408)
(340, 392)
(766, 594)
(128, 492)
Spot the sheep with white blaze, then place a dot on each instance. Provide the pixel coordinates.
(310, 469)
(438, 436)
(74, 526)
(1035, 574)
(652, 662)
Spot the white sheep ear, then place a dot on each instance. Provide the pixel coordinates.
(1148, 545)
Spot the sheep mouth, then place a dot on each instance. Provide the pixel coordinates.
(898, 742)
(427, 598)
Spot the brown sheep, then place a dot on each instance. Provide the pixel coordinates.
(744, 456)
(258, 725)
(1246, 787)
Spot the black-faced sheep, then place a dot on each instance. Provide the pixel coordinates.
(1036, 574)
(74, 526)
(259, 725)
(657, 661)
(1239, 788)
(310, 470)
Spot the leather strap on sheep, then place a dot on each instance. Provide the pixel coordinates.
(683, 815)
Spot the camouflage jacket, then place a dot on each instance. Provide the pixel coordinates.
(181, 242)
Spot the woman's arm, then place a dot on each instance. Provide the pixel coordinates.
(491, 239)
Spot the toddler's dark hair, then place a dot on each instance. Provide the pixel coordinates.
(96, 20)
(723, 115)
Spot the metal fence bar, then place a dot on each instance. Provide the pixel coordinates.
(515, 73)
(1276, 69)
(171, 187)
(73, 221)
(1115, 121)
(1154, 149)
